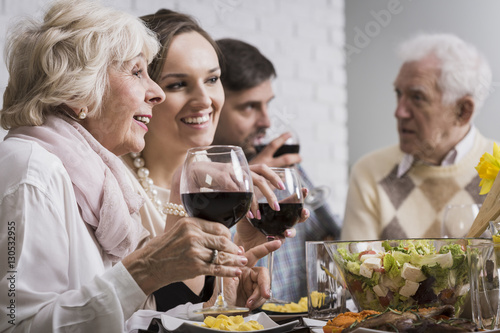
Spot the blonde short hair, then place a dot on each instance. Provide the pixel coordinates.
(64, 59)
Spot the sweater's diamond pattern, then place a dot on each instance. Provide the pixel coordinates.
(438, 191)
(397, 189)
(393, 230)
(473, 189)
(433, 230)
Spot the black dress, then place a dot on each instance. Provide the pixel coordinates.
(178, 293)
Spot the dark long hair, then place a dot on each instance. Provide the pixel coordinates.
(167, 24)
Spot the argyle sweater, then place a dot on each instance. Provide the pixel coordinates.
(382, 206)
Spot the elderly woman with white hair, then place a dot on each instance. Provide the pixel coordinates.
(78, 95)
(402, 191)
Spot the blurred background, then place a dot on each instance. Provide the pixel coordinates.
(335, 62)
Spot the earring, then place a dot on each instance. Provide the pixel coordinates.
(83, 114)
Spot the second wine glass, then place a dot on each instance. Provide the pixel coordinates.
(216, 185)
(274, 223)
(457, 219)
(291, 146)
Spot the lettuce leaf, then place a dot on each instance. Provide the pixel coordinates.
(391, 266)
(347, 256)
(457, 253)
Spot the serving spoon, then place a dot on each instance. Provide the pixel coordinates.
(489, 211)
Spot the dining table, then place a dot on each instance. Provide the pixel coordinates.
(303, 325)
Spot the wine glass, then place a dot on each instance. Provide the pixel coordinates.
(216, 185)
(317, 194)
(274, 223)
(291, 146)
(457, 220)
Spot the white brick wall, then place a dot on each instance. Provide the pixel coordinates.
(305, 41)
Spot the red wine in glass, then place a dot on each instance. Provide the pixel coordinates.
(275, 223)
(223, 207)
(284, 149)
(216, 185)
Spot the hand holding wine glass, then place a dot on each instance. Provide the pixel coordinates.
(273, 223)
(222, 193)
(277, 150)
(282, 150)
(251, 289)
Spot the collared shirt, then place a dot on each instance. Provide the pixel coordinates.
(453, 156)
(64, 280)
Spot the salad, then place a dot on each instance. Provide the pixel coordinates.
(406, 273)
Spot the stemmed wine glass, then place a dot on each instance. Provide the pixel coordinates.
(216, 185)
(317, 194)
(291, 146)
(457, 220)
(274, 223)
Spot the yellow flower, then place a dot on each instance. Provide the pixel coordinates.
(488, 168)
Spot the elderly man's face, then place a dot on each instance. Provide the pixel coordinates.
(427, 129)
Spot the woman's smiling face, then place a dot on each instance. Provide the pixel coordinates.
(127, 107)
(194, 95)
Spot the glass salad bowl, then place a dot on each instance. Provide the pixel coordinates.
(401, 274)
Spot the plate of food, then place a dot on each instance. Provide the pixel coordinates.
(259, 322)
(278, 312)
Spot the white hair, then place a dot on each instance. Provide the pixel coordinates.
(464, 71)
(64, 58)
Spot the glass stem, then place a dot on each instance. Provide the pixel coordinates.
(270, 263)
(220, 301)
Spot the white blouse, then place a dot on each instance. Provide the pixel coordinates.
(53, 275)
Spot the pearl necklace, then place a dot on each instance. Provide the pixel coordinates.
(148, 185)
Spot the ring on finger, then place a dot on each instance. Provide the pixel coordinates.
(214, 256)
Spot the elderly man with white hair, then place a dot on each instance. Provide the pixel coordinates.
(401, 191)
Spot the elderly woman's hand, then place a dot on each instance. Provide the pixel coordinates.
(186, 251)
(252, 289)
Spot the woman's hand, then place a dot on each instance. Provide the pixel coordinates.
(264, 178)
(252, 288)
(185, 252)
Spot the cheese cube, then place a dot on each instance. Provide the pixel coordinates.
(392, 284)
(445, 260)
(409, 289)
(373, 263)
(380, 290)
(370, 255)
(412, 273)
(365, 271)
(463, 290)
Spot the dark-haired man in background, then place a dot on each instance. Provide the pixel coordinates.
(247, 80)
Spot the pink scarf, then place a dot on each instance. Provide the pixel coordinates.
(106, 200)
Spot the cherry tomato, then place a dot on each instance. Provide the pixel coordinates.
(366, 252)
